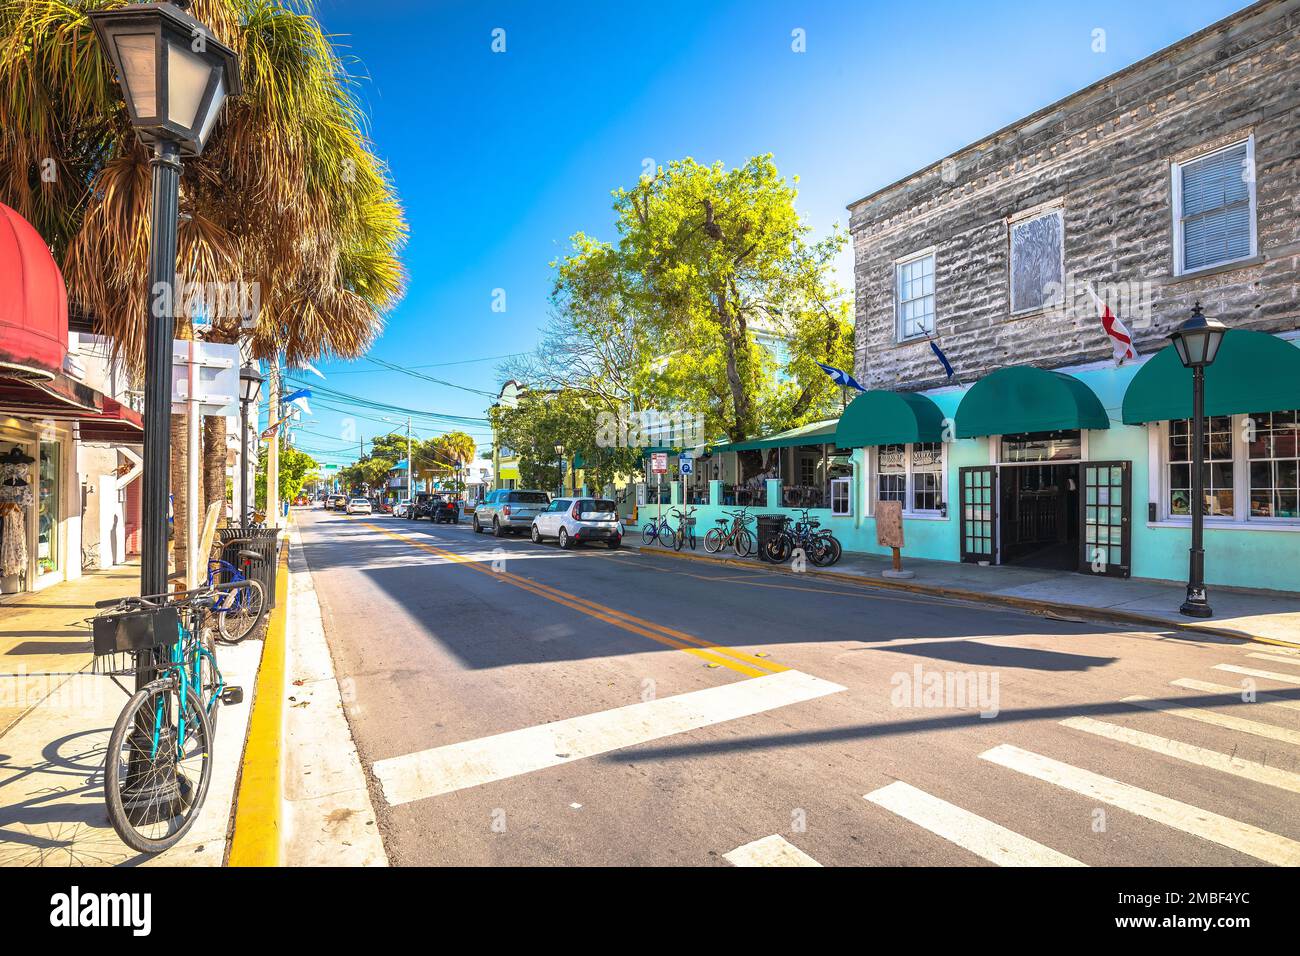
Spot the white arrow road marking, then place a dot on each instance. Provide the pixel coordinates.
(428, 773)
(969, 831)
(772, 850)
(1201, 757)
(1235, 835)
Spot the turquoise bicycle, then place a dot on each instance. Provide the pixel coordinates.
(159, 760)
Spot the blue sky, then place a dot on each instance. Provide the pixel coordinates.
(500, 157)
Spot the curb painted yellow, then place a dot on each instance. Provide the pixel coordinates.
(982, 597)
(256, 838)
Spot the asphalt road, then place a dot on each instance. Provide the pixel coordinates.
(514, 704)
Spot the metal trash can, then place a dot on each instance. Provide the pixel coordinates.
(768, 527)
(261, 540)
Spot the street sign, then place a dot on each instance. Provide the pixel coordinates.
(659, 462)
(685, 464)
(215, 377)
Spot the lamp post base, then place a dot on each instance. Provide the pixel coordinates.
(1196, 605)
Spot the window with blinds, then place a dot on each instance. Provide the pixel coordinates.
(1214, 199)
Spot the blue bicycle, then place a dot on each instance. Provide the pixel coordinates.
(159, 760)
(658, 530)
(240, 610)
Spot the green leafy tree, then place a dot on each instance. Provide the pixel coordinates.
(297, 468)
(709, 262)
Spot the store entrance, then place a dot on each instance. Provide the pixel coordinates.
(1039, 516)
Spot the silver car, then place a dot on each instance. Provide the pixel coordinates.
(573, 521)
(509, 510)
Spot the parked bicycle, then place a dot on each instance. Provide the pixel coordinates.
(684, 534)
(159, 760)
(806, 535)
(241, 610)
(732, 534)
(657, 530)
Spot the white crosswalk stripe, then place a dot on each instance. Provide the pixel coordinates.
(1236, 692)
(984, 838)
(1287, 651)
(1189, 753)
(1226, 721)
(774, 850)
(428, 773)
(1276, 659)
(1224, 831)
(1254, 672)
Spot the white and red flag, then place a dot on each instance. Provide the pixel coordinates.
(1121, 340)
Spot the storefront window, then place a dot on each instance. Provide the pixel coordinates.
(1273, 449)
(1042, 446)
(1217, 474)
(911, 474)
(927, 476)
(47, 541)
(891, 473)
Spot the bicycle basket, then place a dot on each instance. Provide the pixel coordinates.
(135, 630)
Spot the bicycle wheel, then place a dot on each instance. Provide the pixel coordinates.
(210, 681)
(679, 537)
(714, 539)
(778, 548)
(649, 533)
(837, 550)
(743, 543)
(243, 617)
(154, 793)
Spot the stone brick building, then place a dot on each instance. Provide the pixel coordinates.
(1103, 158)
(1172, 182)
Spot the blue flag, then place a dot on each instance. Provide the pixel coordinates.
(938, 353)
(841, 377)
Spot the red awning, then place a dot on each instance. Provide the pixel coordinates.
(33, 302)
(117, 424)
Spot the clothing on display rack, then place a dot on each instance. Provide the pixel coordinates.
(15, 500)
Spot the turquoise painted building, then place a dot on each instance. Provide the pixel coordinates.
(1081, 469)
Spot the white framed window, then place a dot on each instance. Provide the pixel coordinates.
(914, 474)
(841, 496)
(1037, 261)
(914, 295)
(1251, 472)
(1214, 208)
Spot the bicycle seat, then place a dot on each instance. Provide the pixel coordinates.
(250, 555)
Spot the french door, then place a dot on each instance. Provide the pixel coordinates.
(1105, 518)
(978, 500)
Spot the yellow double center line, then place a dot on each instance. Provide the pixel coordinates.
(727, 657)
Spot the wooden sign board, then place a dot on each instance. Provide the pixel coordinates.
(889, 524)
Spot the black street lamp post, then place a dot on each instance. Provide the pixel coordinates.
(250, 389)
(1197, 342)
(559, 465)
(174, 76)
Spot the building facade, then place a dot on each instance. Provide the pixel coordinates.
(1173, 183)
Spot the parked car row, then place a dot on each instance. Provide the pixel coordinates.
(569, 521)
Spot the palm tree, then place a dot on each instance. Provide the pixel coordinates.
(288, 197)
(456, 449)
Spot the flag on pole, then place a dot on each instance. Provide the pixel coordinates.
(938, 353)
(298, 399)
(313, 369)
(841, 377)
(1120, 340)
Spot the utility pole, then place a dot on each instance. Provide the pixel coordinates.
(410, 487)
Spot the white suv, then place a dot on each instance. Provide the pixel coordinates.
(579, 520)
(359, 506)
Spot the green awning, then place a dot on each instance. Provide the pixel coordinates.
(818, 433)
(1253, 372)
(1027, 399)
(879, 417)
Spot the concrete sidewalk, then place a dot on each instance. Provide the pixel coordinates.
(1270, 616)
(54, 731)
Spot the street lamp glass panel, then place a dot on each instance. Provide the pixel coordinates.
(187, 81)
(250, 383)
(138, 54)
